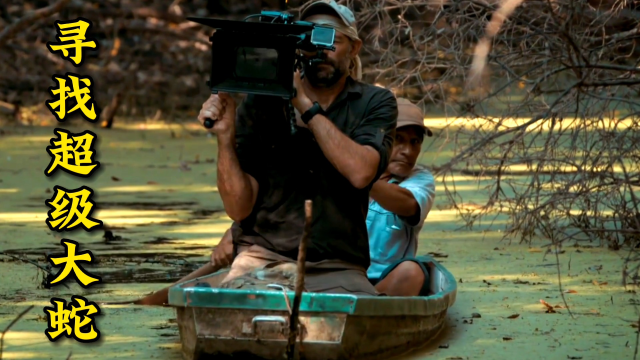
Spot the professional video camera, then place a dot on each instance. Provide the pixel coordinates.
(261, 57)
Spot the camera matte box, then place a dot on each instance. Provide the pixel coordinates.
(253, 57)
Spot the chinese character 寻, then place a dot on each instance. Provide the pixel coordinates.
(69, 259)
(72, 152)
(60, 316)
(77, 29)
(82, 96)
(65, 206)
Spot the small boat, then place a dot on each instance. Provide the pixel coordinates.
(254, 324)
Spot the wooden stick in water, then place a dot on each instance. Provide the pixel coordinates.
(6, 330)
(302, 258)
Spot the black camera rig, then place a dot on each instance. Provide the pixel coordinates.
(260, 57)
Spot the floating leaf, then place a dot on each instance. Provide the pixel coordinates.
(152, 183)
(184, 166)
(535, 250)
(115, 178)
(548, 306)
(507, 338)
(514, 316)
(570, 292)
(595, 268)
(438, 255)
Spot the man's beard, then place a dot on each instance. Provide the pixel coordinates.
(324, 77)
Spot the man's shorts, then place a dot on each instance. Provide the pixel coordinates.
(256, 267)
(424, 290)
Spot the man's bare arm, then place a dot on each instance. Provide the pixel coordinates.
(238, 189)
(394, 198)
(358, 163)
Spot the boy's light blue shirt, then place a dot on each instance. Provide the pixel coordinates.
(391, 237)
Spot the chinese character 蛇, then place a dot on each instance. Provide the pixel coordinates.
(65, 206)
(59, 318)
(77, 29)
(72, 152)
(69, 259)
(82, 96)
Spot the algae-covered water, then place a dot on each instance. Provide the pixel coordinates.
(156, 192)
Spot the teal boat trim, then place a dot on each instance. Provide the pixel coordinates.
(206, 297)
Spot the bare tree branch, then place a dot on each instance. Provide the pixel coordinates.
(26, 21)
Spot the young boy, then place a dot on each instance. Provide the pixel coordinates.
(400, 202)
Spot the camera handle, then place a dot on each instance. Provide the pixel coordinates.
(208, 122)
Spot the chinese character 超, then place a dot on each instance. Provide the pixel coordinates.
(60, 316)
(64, 94)
(77, 29)
(72, 152)
(70, 259)
(65, 206)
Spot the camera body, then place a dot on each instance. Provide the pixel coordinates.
(261, 57)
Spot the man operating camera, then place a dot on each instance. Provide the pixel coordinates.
(345, 133)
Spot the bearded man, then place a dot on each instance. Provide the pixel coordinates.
(345, 133)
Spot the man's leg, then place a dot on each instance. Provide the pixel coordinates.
(405, 278)
(247, 259)
(161, 296)
(221, 257)
(340, 281)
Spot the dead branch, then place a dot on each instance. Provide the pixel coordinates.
(302, 258)
(28, 20)
(47, 271)
(556, 107)
(6, 330)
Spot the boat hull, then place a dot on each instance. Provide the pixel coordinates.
(250, 324)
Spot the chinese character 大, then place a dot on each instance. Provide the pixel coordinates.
(70, 259)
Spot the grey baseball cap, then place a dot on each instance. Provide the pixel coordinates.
(329, 7)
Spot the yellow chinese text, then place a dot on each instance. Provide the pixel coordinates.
(75, 319)
(72, 35)
(72, 153)
(70, 259)
(72, 87)
(66, 207)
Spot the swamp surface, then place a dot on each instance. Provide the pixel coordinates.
(156, 193)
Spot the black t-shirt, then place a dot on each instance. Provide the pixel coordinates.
(292, 168)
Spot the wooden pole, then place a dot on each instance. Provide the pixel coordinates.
(302, 258)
